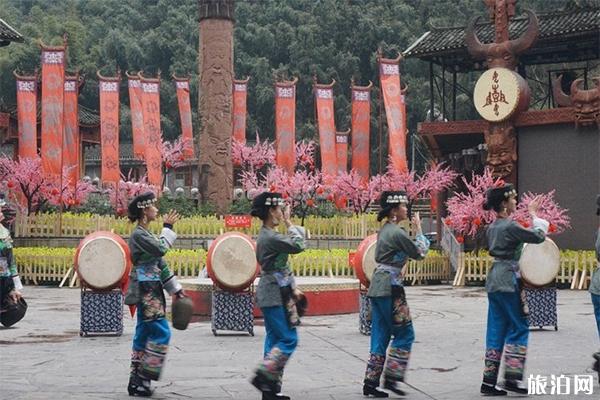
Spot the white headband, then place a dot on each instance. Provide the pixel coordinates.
(274, 201)
(146, 203)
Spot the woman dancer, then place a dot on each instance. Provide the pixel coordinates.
(276, 294)
(390, 315)
(10, 283)
(150, 275)
(507, 327)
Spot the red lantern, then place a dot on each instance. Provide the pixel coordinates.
(10, 184)
(552, 228)
(168, 165)
(477, 221)
(330, 197)
(320, 190)
(460, 239)
(54, 192)
(310, 202)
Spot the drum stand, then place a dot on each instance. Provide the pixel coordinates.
(542, 306)
(232, 311)
(364, 312)
(101, 312)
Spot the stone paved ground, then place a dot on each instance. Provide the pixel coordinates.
(44, 357)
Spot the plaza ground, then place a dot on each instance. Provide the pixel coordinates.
(44, 357)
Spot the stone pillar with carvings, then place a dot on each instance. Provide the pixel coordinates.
(215, 105)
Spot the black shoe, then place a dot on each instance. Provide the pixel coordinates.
(264, 385)
(513, 386)
(274, 396)
(139, 387)
(393, 387)
(370, 390)
(489, 390)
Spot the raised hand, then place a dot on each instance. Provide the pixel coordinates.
(416, 221)
(534, 205)
(171, 218)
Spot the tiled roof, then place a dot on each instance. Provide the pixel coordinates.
(8, 34)
(92, 153)
(555, 26)
(87, 116)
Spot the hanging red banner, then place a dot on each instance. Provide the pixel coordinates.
(285, 125)
(53, 80)
(361, 123)
(27, 115)
(151, 113)
(395, 111)
(71, 143)
(341, 150)
(182, 86)
(240, 92)
(109, 128)
(137, 118)
(326, 126)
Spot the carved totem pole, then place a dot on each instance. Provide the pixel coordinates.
(215, 105)
(501, 93)
(585, 103)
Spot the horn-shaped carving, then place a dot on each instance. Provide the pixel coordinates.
(477, 49)
(527, 40)
(560, 97)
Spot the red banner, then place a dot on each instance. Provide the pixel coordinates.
(395, 111)
(361, 124)
(341, 150)
(109, 128)
(71, 143)
(238, 221)
(326, 125)
(240, 92)
(151, 112)
(182, 86)
(285, 125)
(137, 118)
(27, 115)
(53, 80)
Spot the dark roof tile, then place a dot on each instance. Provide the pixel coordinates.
(8, 33)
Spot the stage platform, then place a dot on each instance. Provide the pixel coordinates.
(326, 296)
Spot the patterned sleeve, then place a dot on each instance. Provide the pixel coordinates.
(12, 268)
(153, 246)
(416, 249)
(292, 243)
(168, 278)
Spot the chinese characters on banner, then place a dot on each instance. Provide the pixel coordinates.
(240, 91)
(326, 126)
(71, 143)
(27, 115)
(182, 86)
(395, 111)
(53, 80)
(361, 118)
(137, 118)
(109, 128)
(151, 113)
(285, 125)
(341, 149)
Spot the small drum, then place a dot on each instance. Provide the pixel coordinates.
(231, 261)
(102, 260)
(540, 263)
(364, 260)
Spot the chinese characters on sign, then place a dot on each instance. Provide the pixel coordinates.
(560, 385)
(238, 221)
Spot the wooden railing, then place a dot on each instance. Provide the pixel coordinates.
(576, 269)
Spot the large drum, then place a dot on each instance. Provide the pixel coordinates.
(231, 261)
(540, 263)
(102, 260)
(364, 260)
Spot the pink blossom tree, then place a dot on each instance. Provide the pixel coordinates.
(28, 187)
(305, 155)
(548, 210)
(360, 194)
(173, 153)
(120, 195)
(252, 158)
